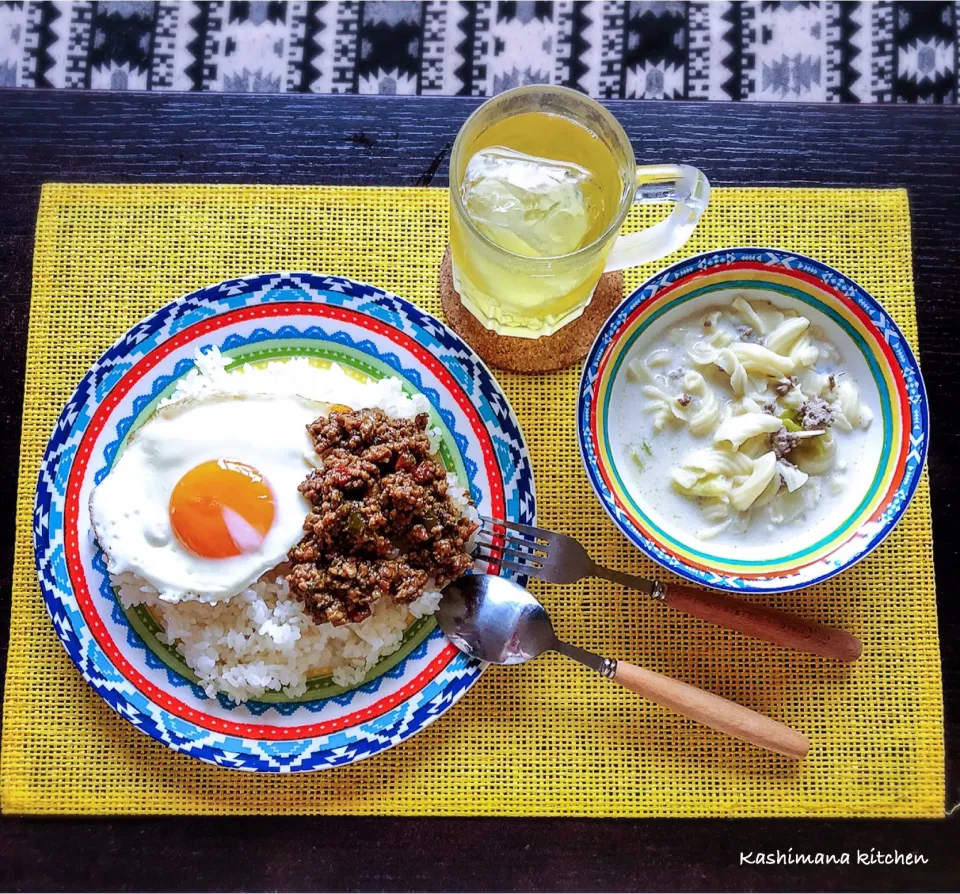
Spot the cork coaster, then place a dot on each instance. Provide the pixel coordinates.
(545, 354)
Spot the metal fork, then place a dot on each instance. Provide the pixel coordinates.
(559, 559)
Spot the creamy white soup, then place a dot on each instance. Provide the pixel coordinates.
(744, 423)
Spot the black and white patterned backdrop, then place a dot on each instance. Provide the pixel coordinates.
(789, 51)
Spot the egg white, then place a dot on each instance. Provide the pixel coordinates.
(129, 508)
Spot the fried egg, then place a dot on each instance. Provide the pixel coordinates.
(203, 499)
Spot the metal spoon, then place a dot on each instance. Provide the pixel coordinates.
(496, 620)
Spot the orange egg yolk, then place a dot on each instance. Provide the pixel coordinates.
(221, 509)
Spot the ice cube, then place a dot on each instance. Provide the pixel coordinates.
(537, 207)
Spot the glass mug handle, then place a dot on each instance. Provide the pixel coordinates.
(688, 189)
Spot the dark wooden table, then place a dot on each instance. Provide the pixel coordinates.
(366, 140)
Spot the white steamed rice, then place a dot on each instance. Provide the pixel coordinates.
(262, 640)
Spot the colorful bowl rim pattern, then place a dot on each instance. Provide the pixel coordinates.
(257, 318)
(904, 414)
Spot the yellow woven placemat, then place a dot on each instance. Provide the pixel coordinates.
(549, 737)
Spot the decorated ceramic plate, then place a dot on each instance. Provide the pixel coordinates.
(794, 540)
(122, 652)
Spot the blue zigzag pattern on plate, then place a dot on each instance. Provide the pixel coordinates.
(330, 750)
(891, 334)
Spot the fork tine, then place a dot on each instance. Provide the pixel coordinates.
(516, 526)
(505, 532)
(510, 551)
(513, 566)
(505, 540)
(528, 568)
(495, 554)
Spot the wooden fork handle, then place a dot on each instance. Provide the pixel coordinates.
(764, 623)
(713, 711)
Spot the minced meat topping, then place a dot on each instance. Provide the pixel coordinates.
(381, 524)
(815, 413)
(782, 442)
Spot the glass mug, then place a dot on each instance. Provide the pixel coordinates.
(514, 292)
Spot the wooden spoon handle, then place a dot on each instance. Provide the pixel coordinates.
(713, 711)
(764, 623)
